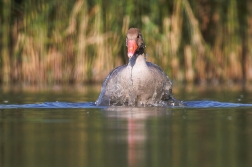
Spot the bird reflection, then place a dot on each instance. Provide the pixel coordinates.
(138, 113)
(136, 131)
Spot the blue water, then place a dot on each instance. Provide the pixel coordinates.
(67, 105)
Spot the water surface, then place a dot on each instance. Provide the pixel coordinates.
(61, 126)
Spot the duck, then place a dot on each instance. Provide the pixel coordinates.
(138, 83)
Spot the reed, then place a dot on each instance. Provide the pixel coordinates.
(5, 54)
(82, 40)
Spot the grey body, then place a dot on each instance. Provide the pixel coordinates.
(139, 83)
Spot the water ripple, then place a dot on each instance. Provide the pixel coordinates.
(189, 104)
(214, 104)
(51, 105)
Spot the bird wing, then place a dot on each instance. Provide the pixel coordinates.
(103, 100)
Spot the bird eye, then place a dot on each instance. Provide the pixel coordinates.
(138, 36)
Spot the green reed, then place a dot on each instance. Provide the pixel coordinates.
(81, 41)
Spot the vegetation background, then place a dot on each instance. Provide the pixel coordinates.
(80, 41)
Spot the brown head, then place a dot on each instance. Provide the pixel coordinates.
(134, 42)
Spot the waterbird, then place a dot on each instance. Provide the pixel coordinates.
(138, 83)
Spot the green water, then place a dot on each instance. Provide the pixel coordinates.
(134, 137)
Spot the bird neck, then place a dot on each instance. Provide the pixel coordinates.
(137, 60)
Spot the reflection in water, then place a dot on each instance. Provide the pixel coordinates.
(178, 137)
(136, 112)
(133, 140)
(126, 137)
(136, 136)
(76, 133)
